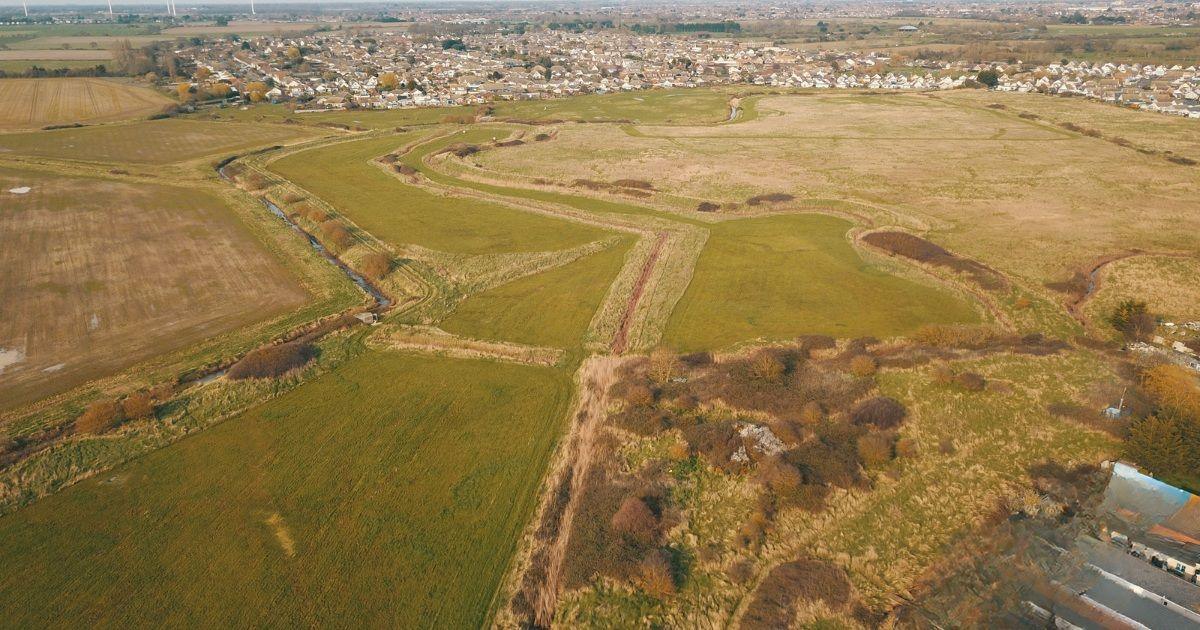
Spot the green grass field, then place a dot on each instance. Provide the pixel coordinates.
(552, 308)
(382, 204)
(148, 142)
(787, 275)
(389, 492)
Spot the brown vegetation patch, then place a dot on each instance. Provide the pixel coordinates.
(639, 184)
(708, 206)
(918, 249)
(801, 581)
(273, 361)
(759, 200)
(515, 142)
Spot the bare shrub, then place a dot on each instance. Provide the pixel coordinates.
(138, 406)
(1029, 116)
(292, 197)
(863, 365)
(1131, 318)
(515, 142)
(636, 521)
(708, 206)
(716, 441)
(654, 576)
(541, 137)
(337, 234)
(272, 361)
(405, 169)
(812, 413)
(99, 417)
(759, 200)
(639, 395)
(664, 365)
(875, 449)
(965, 336)
(255, 181)
(376, 265)
(942, 374)
(767, 367)
(881, 412)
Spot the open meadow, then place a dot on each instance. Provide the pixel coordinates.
(99, 274)
(973, 178)
(33, 103)
(148, 142)
(390, 492)
(782, 276)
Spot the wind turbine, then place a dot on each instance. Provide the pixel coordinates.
(110, 14)
(24, 6)
(252, 12)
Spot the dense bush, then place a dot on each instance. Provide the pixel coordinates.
(272, 361)
(708, 206)
(1132, 319)
(881, 412)
(337, 234)
(636, 521)
(99, 417)
(138, 406)
(792, 583)
(875, 449)
(375, 265)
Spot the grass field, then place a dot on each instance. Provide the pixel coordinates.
(552, 308)
(787, 275)
(31, 103)
(97, 275)
(148, 142)
(691, 107)
(389, 492)
(975, 179)
(343, 175)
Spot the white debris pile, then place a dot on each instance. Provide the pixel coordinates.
(20, 190)
(761, 439)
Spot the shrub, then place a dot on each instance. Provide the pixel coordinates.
(138, 406)
(654, 576)
(405, 169)
(708, 206)
(811, 413)
(881, 412)
(337, 234)
(965, 336)
(639, 184)
(376, 265)
(664, 365)
(255, 181)
(639, 396)
(99, 417)
(272, 361)
(863, 365)
(541, 137)
(1174, 388)
(767, 367)
(292, 197)
(875, 449)
(636, 521)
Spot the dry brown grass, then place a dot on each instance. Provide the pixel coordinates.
(100, 274)
(35, 103)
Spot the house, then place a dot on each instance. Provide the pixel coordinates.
(908, 28)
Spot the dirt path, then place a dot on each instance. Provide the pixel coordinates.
(621, 340)
(536, 582)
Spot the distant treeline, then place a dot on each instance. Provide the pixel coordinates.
(38, 72)
(689, 27)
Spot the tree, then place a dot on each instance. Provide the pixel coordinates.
(663, 366)
(184, 90)
(257, 91)
(989, 78)
(1132, 319)
(293, 53)
(767, 367)
(388, 81)
(202, 73)
(337, 234)
(1156, 444)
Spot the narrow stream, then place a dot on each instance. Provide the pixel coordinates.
(382, 302)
